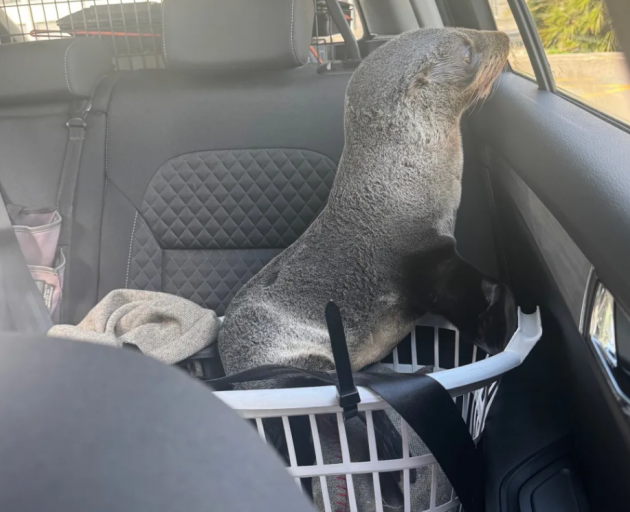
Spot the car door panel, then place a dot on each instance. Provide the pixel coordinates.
(559, 176)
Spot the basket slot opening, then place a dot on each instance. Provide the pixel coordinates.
(424, 345)
(405, 353)
(466, 350)
(466, 407)
(447, 349)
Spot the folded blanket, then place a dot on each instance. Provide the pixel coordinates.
(163, 326)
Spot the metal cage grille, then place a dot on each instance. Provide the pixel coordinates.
(133, 28)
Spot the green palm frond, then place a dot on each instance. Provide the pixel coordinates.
(569, 26)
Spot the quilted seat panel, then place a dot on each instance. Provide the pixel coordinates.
(212, 278)
(211, 220)
(237, 199)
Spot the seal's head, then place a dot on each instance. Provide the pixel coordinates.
(426, 74)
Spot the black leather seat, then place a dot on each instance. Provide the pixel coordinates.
(218, 163)
(41, 83)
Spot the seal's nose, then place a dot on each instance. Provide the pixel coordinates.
(503, 41)
(498, 41)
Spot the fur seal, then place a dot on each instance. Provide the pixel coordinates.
(383, 247)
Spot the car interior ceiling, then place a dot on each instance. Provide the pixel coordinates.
(545, 202)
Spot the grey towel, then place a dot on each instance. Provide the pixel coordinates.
(163, 326)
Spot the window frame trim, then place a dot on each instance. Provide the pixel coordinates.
(620, 19)
(533, 44)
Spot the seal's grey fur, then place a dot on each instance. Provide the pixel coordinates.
(383, 247)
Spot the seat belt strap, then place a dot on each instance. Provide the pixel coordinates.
(70, 171)
(23, 300)
(67, 187)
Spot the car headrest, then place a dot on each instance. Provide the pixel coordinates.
(225, 35)
(59, 70)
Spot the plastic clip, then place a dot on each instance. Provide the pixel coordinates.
(76, 122)
(347, 392)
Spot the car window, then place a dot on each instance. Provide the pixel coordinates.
(519, 60)
(581, 48)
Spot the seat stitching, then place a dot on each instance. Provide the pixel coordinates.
(292, 36)
(65, 66)
(164, 33)
(133, 230)
(106, 143)
(104, 197)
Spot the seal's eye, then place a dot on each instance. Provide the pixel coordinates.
(468, 55)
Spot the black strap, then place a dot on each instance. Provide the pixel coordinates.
(347, 392)
(431, 412)
(67, 187)
(68, 183)
(27, 310)
(23, 300)
(422, 401)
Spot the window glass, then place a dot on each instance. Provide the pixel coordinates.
(506, 23)
(583, 53)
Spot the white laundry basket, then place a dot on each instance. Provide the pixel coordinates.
(470, 376)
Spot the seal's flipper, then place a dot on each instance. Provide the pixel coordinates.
(482, 308)
(441, 282)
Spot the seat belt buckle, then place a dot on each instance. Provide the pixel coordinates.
(76, 122)
(347, 393)
(77, 126)
(349, 401)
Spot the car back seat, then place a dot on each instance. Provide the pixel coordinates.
(42, 84)
(218, 163)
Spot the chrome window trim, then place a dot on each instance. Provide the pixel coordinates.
(600, 356)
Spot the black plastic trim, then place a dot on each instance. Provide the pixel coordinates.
(620, 16)
(616, 379)
(591, 110)
(600, 432)
(576, 163)
(520, 475)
